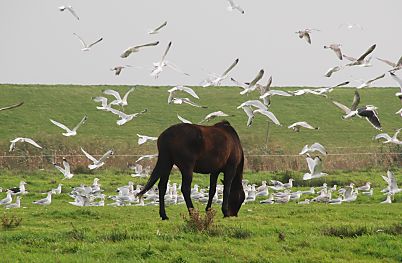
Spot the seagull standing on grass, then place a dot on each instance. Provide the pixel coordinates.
(17, 203)
(137, 48)
(86, 47)
(66, 170)
(97, 163)
(69, 132)
(20, 139)
(45, 201)
(20, 189)
(70, 9)
(301, 124)
(156, 30)
(8, 199)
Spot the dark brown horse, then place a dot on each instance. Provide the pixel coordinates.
(201, 149)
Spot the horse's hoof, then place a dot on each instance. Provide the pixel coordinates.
(165, 218)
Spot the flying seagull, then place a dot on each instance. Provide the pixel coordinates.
(117, 69)
(97, 163)
(361, 60)
(147, 156)
(134, 49)
(397, 79)
(173, 90)
(118, 100)
(186, 101)
(250, 115)
(252, 85)
(70, 9)
(66, 170)
(158, 66)
(389, 139)
(352, 111)
(332, 70)
(213, 115)
(215, 79)
(20, 139)
(232, 6)
(85, 46)
(105, 106)
(314, 147)
(143, 139)
(395, 66)
(124, 117)
(301, 124)
(268, 114)
(11, 106)
(336, 48)
(367, 84)
(315, 168)
(264, 89)
(69, 132)
(156, 30)
(306, 34)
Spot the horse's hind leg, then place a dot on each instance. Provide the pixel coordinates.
(187, 178)
(212, 189)
(227, 183)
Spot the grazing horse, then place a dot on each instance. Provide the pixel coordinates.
(201, 149)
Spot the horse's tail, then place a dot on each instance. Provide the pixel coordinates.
(162, 168)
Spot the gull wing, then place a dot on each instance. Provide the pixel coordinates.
(59, 168)
(149, 156)
(276, 92)
(255, 103)
(189, 102)
(119, 113)
(304, 150)
(127, 93)
(141, 139)
(317, 165)
(81, 40)
(338, 53)
(399, 63)
(147, 45)
(396, 133)
(269, 114)
(90, 157)
(392, 180)
(367, 52)
(371, 116)
(318, 147)
(66, 166)
(383, 135)
(304, 124)
(356, 101)
(231, 67)
(106, 155)
(154, 31)
(175, 68)
(60, 125)
(72, 12)
(249, 112)
(183, 120)
(12, 106)
(392, 64)
(113, 93)
(257, 78)
(342, 107)
(81, 122)
(397, 79)
(341, 84)
(96, 42)
(186, 89)
(310, 164)
(166, 51)
(29, 140)
(379, 77)
(241, 85)
(100, 99)
(350, 58)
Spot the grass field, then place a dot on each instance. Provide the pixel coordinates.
(68, 104)
(363, 231)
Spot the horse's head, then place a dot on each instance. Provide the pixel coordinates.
(236, 199)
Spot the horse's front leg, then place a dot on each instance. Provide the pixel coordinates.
(212, 189)
(162, 186)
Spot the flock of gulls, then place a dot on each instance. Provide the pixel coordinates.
(114, 102)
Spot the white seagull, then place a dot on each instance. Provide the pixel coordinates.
(8, 199)
(213, 115)
(20, 139)
(268, 114)
(361, 60)
(146, 156)
(367, 83)
(314, 147)
(252, 85)
(124, 118)
(397, 79)
(302, 124)
(250, 115)
(97, 163)
(17, 203)
(85, 46)
(158, 66)
(186, 101)
(392, 184)
(183, 119)
(389, 139)
(45, 201)
(336, 48)
(66, 170)
(315, 167)
(137, 48)
(332, 70)
(70, 9)
(118, 100)
(143, 139)
(156, 30)
(232, 6)
(352, 111)
(173, 90)
(105, 106)
(306, 34)
(216, 79)
(395, 66)
(69, 132)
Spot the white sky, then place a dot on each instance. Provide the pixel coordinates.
(38, 46)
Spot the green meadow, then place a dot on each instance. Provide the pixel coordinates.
(362, 231)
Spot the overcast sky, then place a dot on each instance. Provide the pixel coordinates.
(38, 45)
